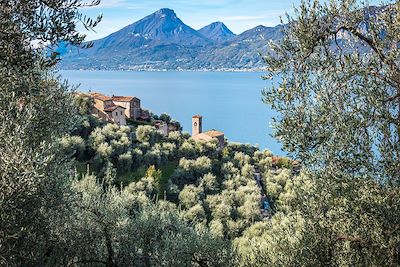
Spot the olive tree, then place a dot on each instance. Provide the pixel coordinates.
(35, 111)
(339, 89)
(116, 228)
(338, 95)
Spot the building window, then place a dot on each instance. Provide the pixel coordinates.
(121, 112)
(195, 124)
(116, 113)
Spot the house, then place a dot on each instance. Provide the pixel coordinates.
(162, 127)
(200, 136)
(109, 108)
(105, 109)
(131, 105)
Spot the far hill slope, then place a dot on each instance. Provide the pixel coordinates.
(217, 31)
(162, 41)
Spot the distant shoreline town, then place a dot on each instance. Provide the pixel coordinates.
(255, 70)
(162, 41)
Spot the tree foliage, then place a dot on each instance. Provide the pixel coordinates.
(35, 111)
(339, 96)
(339, 100)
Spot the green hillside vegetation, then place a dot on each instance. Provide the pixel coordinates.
(77, 192)
(212, 187)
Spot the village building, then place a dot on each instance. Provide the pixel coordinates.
(105, 109)
(200, 136)
(162, 127)
(131, 105)
(109, 108)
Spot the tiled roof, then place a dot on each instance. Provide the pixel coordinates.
(123, 98)
(112, 108)
(214, 133)
(197, 116)
(100, 97)
(202, 137)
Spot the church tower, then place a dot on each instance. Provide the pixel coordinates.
(197, 125)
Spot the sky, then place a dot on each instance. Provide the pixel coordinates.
(238, 15)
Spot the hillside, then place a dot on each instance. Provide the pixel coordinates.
(162, 41)
(218, 32)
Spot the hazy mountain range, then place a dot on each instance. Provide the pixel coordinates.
(162, 41)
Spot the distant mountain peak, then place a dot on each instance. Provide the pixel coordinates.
(162, 41)
(217, 24)
(162, 27)
(166, 12)
(260, 28)
(217, 31)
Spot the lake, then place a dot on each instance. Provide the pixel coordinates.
(230, 102)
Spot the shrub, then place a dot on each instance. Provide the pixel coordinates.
(148, 134)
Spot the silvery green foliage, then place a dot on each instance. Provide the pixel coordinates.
(316, 226)
(112, 228)
(32, 172)
(189, 171)
(73, 146)
(148, 134)
(267, 243)
(339, 92)
(35, 111)
(216, 194)
(111, 144)
(339, 103)
(84, 103)
(227, 206)
(160, 153)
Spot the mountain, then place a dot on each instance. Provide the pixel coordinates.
(162, 26)
(260, 33)
(217, 31)
(162, 41)
(243, 51)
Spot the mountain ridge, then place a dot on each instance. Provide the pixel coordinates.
(217, 31)
(162, 41)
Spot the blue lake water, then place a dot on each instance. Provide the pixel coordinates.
(230, 102)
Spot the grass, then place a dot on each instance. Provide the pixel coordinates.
(81, 167)
(128, 177)
(167, 171)
(133, 176)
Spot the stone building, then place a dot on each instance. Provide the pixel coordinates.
(105, 109)
(198, 135)
(162, 127)
(131, 105)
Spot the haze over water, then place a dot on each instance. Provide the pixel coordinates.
(230, 102)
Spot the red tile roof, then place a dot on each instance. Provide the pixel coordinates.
(100, 97)
(197, 117)
(202, 137)
(112, 108)
(214, 133)
(123, 98)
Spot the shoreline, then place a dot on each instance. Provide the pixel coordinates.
(173, 70)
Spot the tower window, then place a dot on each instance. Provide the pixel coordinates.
(195, 124)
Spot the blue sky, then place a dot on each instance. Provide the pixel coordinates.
(238, 15)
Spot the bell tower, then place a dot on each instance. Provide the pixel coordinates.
(197, 125)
